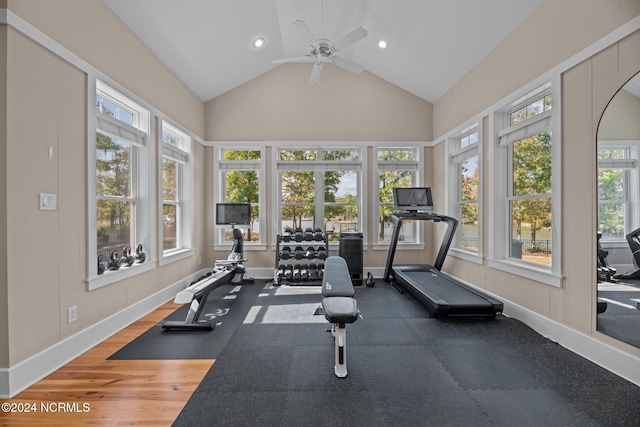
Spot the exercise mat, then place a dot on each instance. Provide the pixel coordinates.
(227, 306)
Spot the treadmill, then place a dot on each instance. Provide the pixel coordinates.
(442, 294)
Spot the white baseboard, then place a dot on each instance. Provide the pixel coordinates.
(17, 378)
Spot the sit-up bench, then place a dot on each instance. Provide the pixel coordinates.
(339, 307)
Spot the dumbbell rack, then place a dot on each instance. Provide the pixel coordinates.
(308, 256)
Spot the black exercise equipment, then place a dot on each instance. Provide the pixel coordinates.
(224, 272)
(299, 252)
(298, 234)
(140, 255)
(102, 265)
(308, 234)
(318, 234)
(127, 259)
(633, 239)
(321, 253)
(339, 308)
(286, 253)
(288, 272)
(286, 235)
(114, 261)
(439, 292)
(311, 253)
(350, 247)
(605, 273)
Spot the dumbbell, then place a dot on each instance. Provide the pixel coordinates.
(299, 253)
(114, 260)
(280, 272)
(298, 235)
(313, 271)
(318, 235)
(127, 258)
(288, 272)
(140, 255)
(286, 253)
(304, 272)
(296, 272)
(311, 253)
(322, 253)
(308, 234)
(321, 270)
(286, 235)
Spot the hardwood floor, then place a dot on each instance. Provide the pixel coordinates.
(92, 390)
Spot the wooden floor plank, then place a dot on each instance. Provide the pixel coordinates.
(91, 390)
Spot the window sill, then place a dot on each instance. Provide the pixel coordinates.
(247, 247)
(541, 275)
(465, 255)
(176, 255)
(113, 276)
(401, 246)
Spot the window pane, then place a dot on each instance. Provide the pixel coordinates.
(242, 186)
(169, 180)
(531, 230)
(532, 165)
(169, 227)
(341, 202)
(341, 155)
(298, 155)
(469, 226)
(241, 154)
(611, 220)
(388, 180)
(113, 166)
(298, 187)
(114, 226)
(611, 184)
(171, 138)
(401, 155)
(469, 179)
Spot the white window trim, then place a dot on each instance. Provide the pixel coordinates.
(185, 191)
(417, 165)
(632, 219)
(359, 166)
(499, 237)
(453, 185)
(260, 165)
(146, 197)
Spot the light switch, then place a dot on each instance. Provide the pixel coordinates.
(47, 202)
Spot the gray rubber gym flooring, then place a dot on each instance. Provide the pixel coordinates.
(404, 370)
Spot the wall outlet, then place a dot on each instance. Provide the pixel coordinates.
(72, 314)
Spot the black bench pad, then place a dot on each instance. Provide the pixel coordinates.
(340, 309)
(336, 281)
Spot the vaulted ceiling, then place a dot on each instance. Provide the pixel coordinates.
(431, 43)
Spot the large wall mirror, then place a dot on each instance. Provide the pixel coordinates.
(618, 146)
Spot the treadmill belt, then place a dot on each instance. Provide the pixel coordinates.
(442, 294)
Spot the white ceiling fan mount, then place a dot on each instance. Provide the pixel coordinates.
(323, 51)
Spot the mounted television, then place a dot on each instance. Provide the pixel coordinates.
(233, 214)
(412, 198)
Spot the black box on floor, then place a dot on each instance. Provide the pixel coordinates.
(350, 248)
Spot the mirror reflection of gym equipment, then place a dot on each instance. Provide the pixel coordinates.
(618, 241)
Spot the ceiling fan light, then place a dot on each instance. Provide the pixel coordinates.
(258, 42)
(382, 44)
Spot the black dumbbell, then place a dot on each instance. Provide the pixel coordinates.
(286, 235)
(318, 235)
(286, 253)
(304, 272)
(313, 271)
(280, 272)
(311, 253)
(308, 234)
(127, 259)
(288, 272)
(321, 252)
(102, 266)
(296, 272)
(320, 270)
(298, 235)
(299, 252)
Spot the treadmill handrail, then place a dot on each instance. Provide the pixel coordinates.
(397, 218)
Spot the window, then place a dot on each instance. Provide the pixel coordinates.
(617, 186)
(320, 188)
(464, 173)
(526, 181)
(176, 179)
(119, 215)
(397, 167)
(242, 178)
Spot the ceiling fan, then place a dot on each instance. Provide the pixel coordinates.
(323, 51)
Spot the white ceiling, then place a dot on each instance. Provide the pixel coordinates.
(431, 43)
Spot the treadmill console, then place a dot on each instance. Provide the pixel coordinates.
(412, 199)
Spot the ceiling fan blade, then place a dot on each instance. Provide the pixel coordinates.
(347, 65)
(302, 58)
(351, 38)
(315, 73)
(306, 33)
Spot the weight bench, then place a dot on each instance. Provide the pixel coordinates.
(339, 307)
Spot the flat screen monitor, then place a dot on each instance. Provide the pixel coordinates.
(412, 198)
(233, 213)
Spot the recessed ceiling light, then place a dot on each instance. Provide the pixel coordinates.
(258, 42)
(382, 44)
